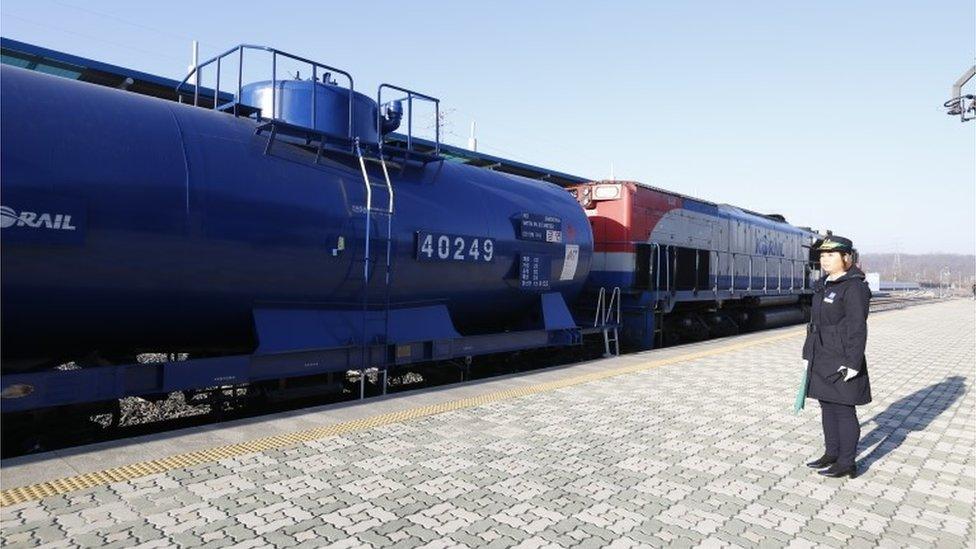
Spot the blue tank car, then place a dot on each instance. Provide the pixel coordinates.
(134, 224)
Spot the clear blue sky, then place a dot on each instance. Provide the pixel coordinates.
(827, 112)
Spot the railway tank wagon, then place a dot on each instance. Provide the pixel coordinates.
(691, 269)
(261, 244)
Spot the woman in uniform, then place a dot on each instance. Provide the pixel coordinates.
(837, 372)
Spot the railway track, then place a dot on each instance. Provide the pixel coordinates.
(891, 302)
(136, 416)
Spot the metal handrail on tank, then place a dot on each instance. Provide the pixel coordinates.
(239, 49)
(409, 97)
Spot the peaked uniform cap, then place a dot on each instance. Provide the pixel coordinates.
(834, 243)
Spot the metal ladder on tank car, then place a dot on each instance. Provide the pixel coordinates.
(605, 312)
(388, 214)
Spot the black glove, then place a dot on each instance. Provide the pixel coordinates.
(836, 376)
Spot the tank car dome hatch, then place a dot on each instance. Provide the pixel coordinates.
(391, 113)
(292, 101)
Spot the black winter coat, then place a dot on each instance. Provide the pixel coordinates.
(836, 336)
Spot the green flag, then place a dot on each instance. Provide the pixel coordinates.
(801, 394)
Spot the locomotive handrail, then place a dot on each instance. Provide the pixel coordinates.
(605, 310)
(667, 268)
(600, 298)
(752, 261)
(751, 272)
(765, 274)
(615, 298)
(718, 267)
(410, 97)
(657, 272)
(779, 274)
(664, 257)
(673, 269)
(732, 270)
(196, 71)
(732, 274)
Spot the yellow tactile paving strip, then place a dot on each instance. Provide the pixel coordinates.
(136, 470)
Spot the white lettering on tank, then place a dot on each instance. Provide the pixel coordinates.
(27, 218)
(10, 218)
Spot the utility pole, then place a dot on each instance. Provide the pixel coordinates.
(194, 63)
(472, 140)
(897, 259)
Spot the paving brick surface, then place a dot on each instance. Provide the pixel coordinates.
(702, 453)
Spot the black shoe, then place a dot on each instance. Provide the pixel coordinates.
(836, 471)
(824, 461)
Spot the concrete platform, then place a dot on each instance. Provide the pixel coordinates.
(689, 446)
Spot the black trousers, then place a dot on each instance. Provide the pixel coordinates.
(841, 431)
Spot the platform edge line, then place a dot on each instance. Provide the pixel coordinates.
(132, 471)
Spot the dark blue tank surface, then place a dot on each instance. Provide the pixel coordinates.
(135, 224)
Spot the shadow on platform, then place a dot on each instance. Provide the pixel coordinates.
(905, 416)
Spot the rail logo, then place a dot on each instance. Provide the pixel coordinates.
(765, 246)
(9, 218)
